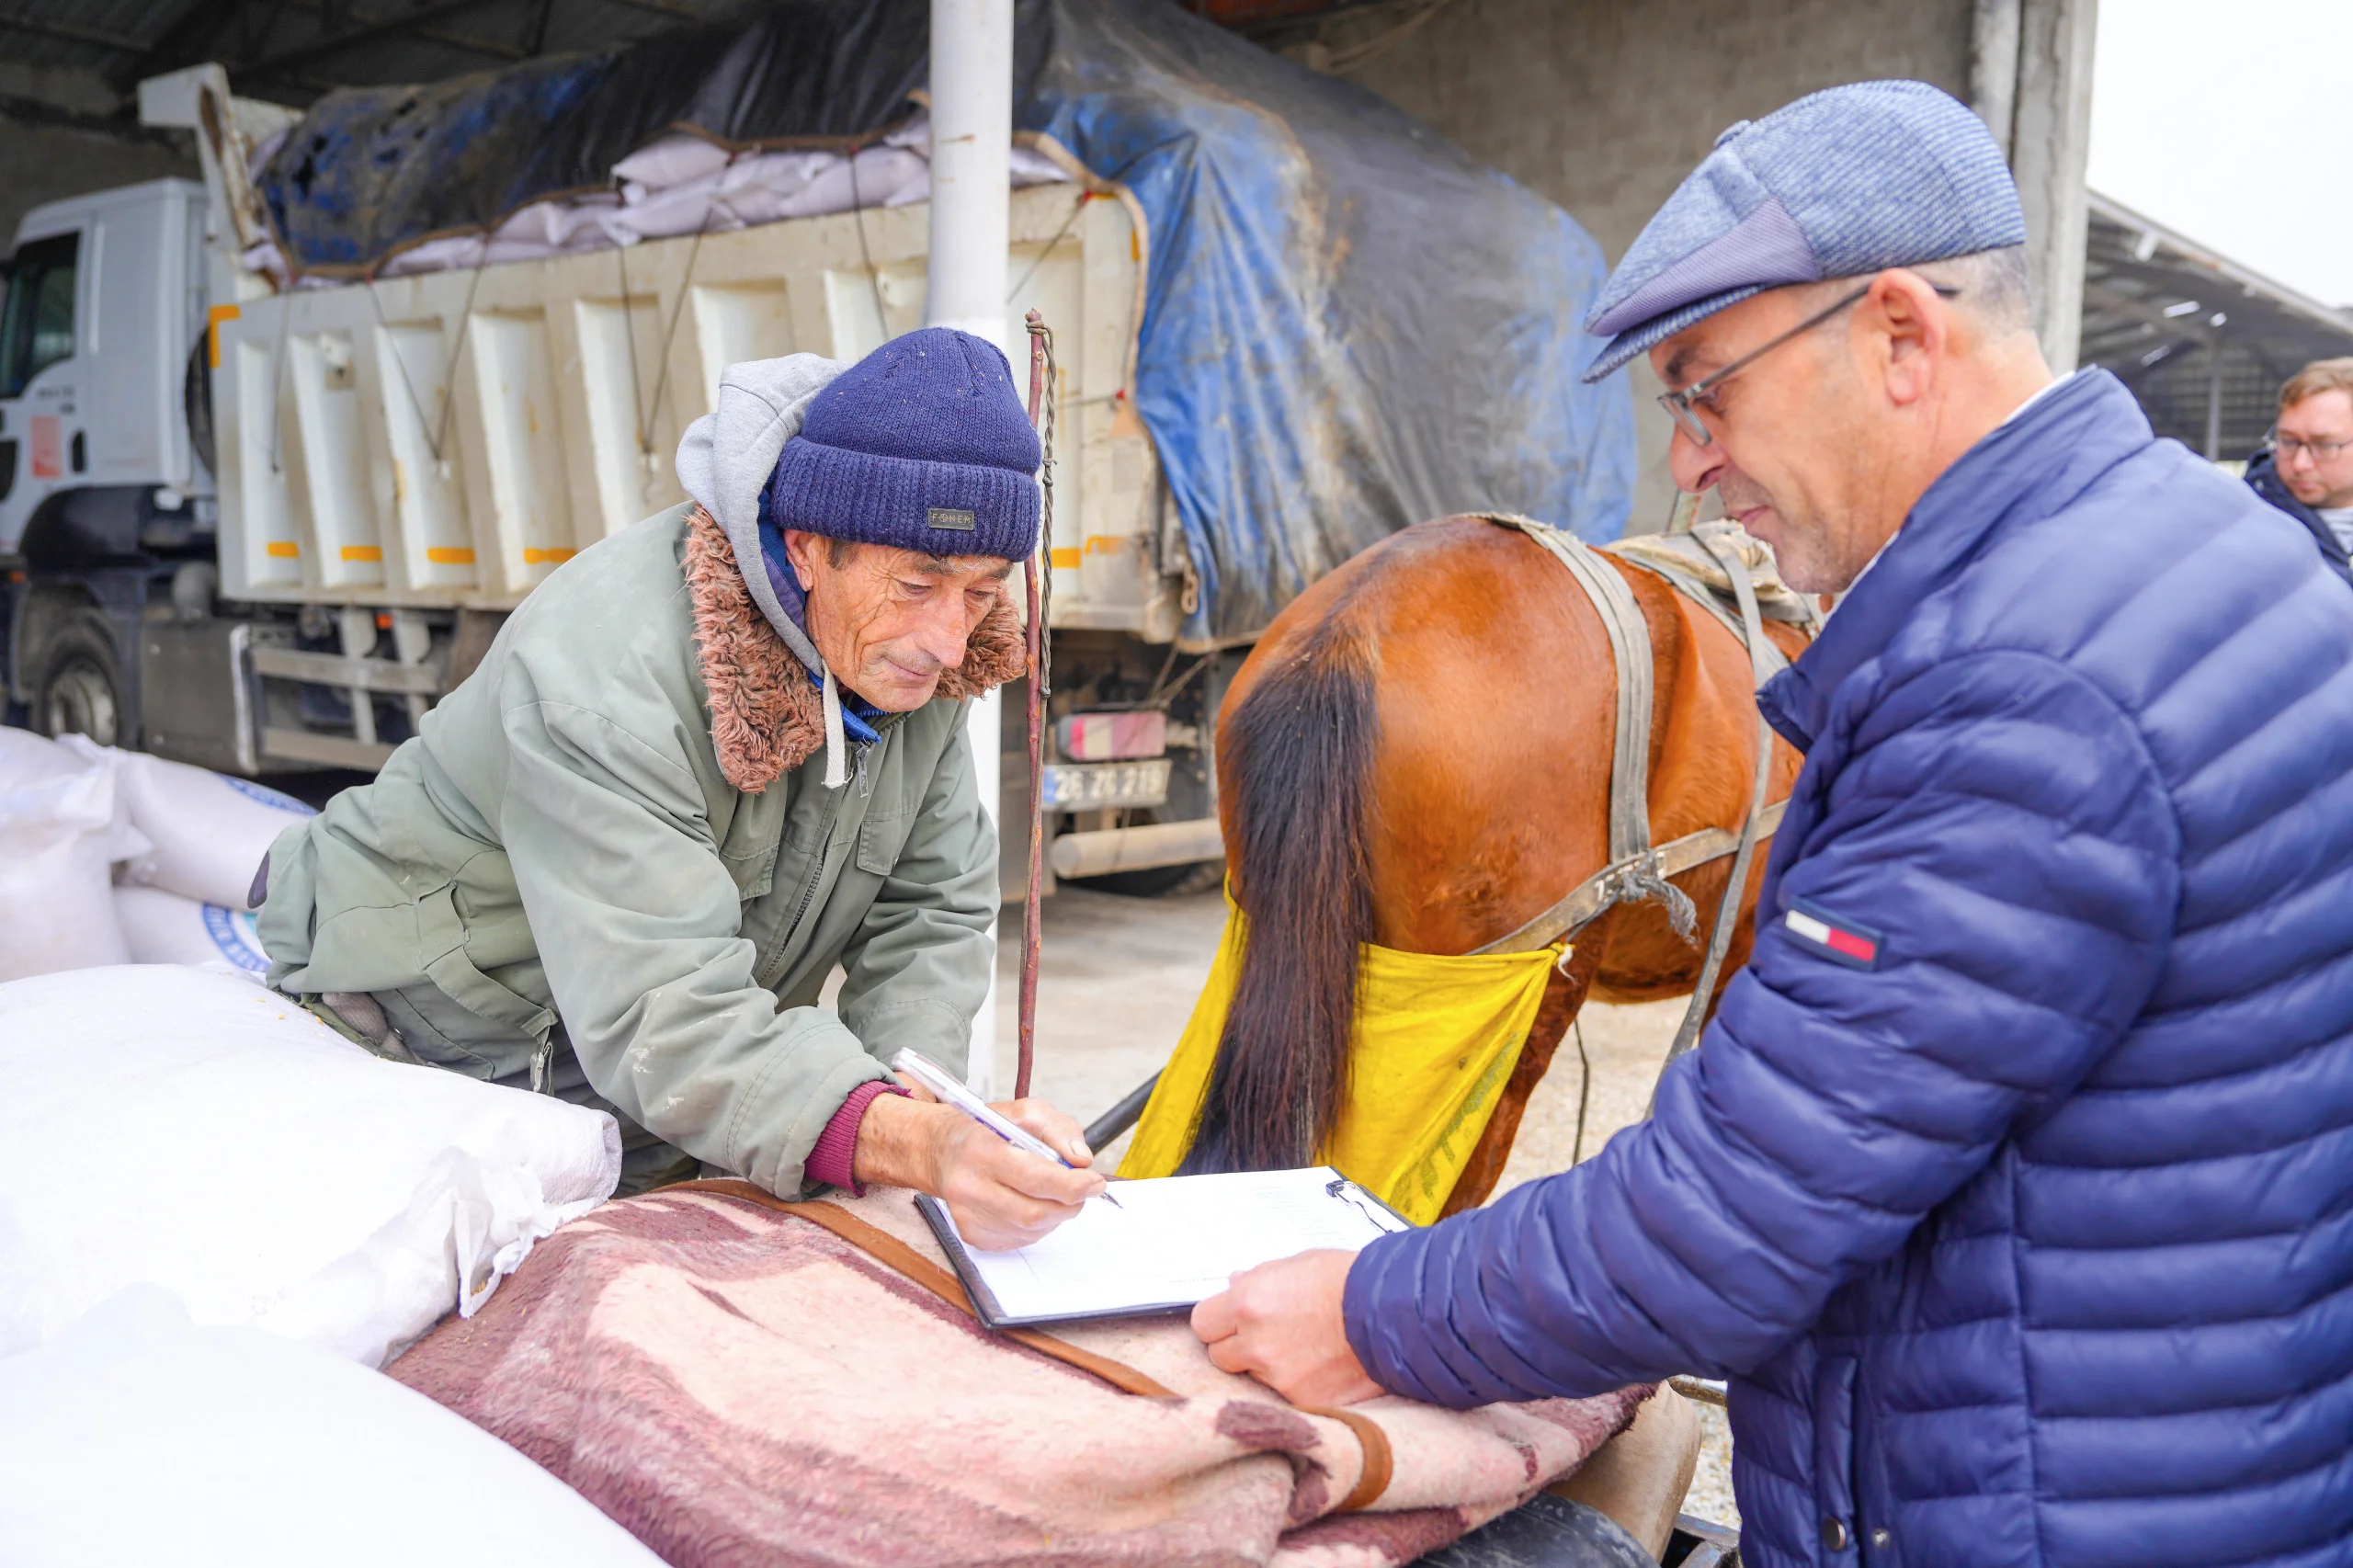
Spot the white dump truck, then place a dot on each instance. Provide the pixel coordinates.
(262, 529)
(280, 448)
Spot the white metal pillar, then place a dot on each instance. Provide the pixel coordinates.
(971, 143)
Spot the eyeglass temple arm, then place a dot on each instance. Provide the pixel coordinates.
(1709, 381)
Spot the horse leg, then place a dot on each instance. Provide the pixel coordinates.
(1564, 996)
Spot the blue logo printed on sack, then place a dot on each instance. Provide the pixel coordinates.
(235, 934)
(265, 795)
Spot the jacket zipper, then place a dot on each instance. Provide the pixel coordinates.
(817, 870)
(808, 891)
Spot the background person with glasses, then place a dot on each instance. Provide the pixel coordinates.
(2306, 469)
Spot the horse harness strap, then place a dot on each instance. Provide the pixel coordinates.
(1637, 870)
(1595, 896)
(1686, 1034)
(897, 1256)
(1629, 644)
(1688, 561)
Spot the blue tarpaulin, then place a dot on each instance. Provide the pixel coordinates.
(1348, 327)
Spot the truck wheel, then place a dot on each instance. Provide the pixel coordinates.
(80, 689)
(196, 401)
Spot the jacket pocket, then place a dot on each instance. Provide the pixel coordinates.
(754, 833)
(754, 874)
(442, 956)
(1834, 1461)
(880, 839)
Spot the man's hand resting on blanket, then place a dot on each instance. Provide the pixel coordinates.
(1281, 1322)
(1001, 1196)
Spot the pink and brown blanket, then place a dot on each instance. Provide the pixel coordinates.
(742, 1383)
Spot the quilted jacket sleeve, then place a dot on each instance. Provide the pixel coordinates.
(1998, 821)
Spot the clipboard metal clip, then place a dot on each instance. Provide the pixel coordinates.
(1384, 1218)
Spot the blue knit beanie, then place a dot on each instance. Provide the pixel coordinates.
(923, 444)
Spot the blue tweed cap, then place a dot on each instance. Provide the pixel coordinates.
(923, 444)
(1839, 183)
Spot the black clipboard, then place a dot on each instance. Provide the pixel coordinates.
(991, 1313)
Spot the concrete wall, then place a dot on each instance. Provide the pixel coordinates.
(50, 149)
(1603, 105)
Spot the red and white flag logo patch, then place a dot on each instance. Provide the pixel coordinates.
(1832, 937)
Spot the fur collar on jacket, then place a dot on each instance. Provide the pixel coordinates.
(765, 717)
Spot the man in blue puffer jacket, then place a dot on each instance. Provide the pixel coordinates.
(2012, 1186)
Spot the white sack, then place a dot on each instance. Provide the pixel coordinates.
(206, 831)
(681, 184)
(136, 1437)
(27, 758)
(676, 210)
(189, 1129)
(675, 159)
(62, 827)
(164, 927)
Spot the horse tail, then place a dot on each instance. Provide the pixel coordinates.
(1296, 769)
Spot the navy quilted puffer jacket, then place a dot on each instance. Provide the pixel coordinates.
(2013, 1184)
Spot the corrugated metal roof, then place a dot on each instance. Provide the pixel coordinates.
(2203, 341)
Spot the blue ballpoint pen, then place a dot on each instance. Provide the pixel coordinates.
(949, 1090)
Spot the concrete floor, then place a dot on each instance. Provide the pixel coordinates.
(1117, 982)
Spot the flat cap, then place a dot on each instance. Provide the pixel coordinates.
(1840, 184)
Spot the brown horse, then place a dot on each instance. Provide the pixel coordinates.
(1418, 755)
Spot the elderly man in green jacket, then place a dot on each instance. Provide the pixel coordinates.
(707, 761)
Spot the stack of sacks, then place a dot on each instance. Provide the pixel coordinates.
(191, 1131)
(62, 827)
(112, 857)
(137, 1437)
(684, 185)
(183, 900)
(164, 927)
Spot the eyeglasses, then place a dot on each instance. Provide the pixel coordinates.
(2320, 451)
(1680, 406)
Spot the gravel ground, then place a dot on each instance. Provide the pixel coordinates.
(1116, 983)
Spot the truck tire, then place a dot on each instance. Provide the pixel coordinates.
(79, 688)
(196, 401)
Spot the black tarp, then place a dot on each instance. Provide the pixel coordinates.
(1349, 325)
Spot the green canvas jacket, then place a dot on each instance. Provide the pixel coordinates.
(604, 851)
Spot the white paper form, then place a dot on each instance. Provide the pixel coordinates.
(1176, 1240)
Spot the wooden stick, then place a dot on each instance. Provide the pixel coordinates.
(1032, 912)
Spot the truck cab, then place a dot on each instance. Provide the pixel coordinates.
(106, 494)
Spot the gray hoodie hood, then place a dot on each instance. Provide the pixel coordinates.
(726, 458)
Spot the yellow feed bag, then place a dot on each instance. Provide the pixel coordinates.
(1436, 1040)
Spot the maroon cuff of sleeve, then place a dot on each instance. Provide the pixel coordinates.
(834, 1160)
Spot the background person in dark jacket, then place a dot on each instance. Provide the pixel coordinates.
(2307, 471)
(2012, 1186)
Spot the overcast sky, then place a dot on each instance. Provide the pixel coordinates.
(2232, 121)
